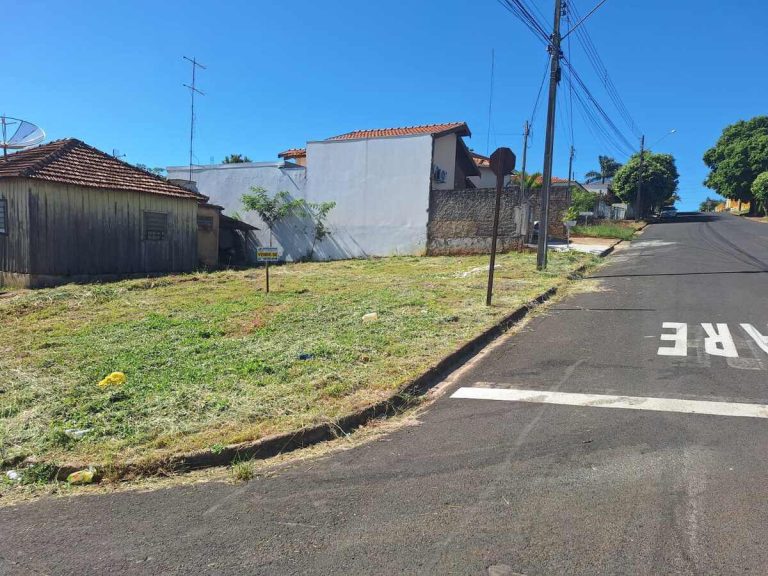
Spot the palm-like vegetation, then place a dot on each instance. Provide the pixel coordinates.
(608, 168)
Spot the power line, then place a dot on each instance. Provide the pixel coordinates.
(523, 13)
(593, 56)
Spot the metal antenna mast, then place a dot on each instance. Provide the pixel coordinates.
(192, 90)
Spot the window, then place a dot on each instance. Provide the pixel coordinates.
(3, 216)
(155, 225)
(205, 223)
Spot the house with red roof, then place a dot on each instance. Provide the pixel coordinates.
(380, 180)
(69, 212)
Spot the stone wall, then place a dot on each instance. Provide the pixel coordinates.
(559, 200)
(461, 221)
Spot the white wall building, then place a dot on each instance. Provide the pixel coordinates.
(380, 181)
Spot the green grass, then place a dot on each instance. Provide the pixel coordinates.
(210, 359)
(623, 231)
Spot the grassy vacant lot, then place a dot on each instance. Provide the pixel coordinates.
(623, 229)
(211, 359)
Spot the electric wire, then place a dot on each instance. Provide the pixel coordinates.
(593, 56)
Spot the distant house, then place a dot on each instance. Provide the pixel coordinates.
(69, 212)
(380, 179)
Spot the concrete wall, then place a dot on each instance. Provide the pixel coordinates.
(461, 221)
(381, 189)
(445, 158)
(225, 184)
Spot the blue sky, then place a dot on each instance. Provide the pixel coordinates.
(279, 74)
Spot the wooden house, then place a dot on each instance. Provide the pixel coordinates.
(71, 213)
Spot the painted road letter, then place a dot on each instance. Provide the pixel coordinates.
(718, 341)
(680, 338)
(759, 339)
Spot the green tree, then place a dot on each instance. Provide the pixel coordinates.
(157, 171)
(708, 205)
(278, 208)
(760, 192)
(582, 200)
(739, 156)
(608, 168)
(659, 177)
(236, 159)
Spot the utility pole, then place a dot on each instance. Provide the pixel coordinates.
(526, 132)
(192, 90)
(639, 199)
(554, 78)
(570, 172)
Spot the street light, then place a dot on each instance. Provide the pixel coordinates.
(663, 137)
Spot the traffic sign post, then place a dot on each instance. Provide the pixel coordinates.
(502, 164)
(267, 254)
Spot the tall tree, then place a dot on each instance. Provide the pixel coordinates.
(236, 159)
(608, 168)
(760, 193)
(739, 156)
(659, 176)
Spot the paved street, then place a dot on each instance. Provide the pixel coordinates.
(600, 470)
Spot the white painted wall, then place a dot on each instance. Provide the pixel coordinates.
(445, 158)
(381, 190)
(225, 184)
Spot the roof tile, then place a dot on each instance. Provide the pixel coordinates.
(459, 127)
(71, 161)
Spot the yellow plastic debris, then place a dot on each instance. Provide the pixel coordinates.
(114, 379)
(81, 476)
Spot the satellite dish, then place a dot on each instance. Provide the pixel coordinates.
(19, 134)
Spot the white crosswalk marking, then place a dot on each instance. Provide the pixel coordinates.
(484, 391)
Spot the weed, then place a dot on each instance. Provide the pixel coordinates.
(243, 470)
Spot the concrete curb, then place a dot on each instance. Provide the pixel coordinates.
(278, 444)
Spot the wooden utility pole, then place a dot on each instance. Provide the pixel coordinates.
(549, 144)
(639, 200)
(526, 133)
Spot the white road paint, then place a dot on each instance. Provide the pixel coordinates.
(718, 341)
(755, 334)
(707, 339)
(680, 338)
(483, 392)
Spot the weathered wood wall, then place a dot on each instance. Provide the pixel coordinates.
(14, 246)
(78, 231)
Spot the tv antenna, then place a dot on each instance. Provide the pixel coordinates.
(18, 134)
(192, 90)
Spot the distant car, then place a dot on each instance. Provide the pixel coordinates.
(668, 213)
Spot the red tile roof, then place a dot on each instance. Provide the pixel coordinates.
(71, 161)
(460, 128)
(293, 153)
(481, 160)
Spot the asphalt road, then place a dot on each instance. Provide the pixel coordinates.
(498, 486)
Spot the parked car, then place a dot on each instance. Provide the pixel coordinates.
(668, 213)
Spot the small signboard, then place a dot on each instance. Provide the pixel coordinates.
(267, 254)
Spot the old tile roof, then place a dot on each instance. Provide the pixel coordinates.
(480, 160)
(293, 153)
(71, 161)
(460, 128)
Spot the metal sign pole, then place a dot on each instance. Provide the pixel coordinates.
(502, 164)
(267, 265)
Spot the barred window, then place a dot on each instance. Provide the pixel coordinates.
(155, 225)
(205, 223)
(3, 216)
